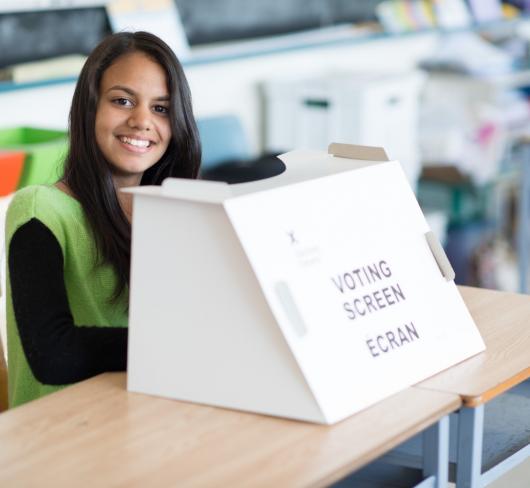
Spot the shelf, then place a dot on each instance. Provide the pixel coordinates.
(327, 37)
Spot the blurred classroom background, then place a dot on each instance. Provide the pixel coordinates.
(443, 85)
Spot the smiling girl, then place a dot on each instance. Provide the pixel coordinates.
(131, 123)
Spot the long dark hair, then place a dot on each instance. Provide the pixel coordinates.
(87, 173)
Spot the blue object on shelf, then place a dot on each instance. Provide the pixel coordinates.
(222, 139)
(226, 155)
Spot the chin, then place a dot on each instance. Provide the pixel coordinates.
(132, 170)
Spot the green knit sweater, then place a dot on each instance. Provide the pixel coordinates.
(88, 293)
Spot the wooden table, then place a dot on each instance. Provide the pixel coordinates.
(504, 322)
(96, 433)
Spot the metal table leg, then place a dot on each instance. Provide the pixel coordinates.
(436, 452)
(469, 451)
(522, 231)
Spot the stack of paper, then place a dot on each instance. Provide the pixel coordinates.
(60, 67)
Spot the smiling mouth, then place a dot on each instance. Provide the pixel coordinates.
(140, 143)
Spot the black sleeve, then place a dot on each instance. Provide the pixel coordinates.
(58, 352)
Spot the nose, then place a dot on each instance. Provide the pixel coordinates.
(140, 118)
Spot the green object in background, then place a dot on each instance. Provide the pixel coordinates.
(462, 203)
(45, 152)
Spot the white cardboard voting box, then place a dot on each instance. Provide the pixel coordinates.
(309, 295)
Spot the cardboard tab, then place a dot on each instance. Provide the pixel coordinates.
(439, 255)
(196, 190)
(352, 151)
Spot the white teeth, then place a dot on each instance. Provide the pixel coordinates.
(135, 142)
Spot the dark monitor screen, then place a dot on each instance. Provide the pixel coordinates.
(33, 35)
(207, 21)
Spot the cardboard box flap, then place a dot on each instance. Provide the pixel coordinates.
(187, 189)
(304, 165)
(142, 190)
(196, 190)
(351, 151)
(301, 165)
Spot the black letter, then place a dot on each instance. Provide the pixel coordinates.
(379, 339)
(357, 271)
(402, 337)
(374, 272)
(378, 299)
(346, 306)
(366, 275)
(388, 296)
(355, 302)
(368, 302)
(385, 269)
(339, 284)
(372, 348)
(412, 331)
(392, 339)
(397, 291)
(350, 285)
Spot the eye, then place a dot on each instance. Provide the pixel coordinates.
(161, 109)
(125, 102)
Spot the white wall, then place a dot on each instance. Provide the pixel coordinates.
(45, 107)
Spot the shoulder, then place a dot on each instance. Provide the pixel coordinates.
(48, 204)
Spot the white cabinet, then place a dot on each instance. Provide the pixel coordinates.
(368, 109)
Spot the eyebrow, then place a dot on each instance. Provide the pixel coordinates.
(126, 89)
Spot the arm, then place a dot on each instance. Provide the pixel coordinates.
(58, 352)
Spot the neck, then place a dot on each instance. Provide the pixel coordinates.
(126, 199)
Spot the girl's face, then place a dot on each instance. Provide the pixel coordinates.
(132, 118)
